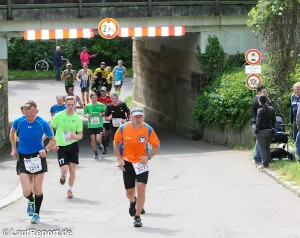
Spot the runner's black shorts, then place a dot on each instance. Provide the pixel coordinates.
(104, 84)
(68, 154)
(109, 86)
(130, 177)
(21, 166)
(87, 89)
(106, 126)
(95, 131)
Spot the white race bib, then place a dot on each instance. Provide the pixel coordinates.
(104, 120)
(33, 165)
(117, 122)
(95, 120)
(118, 82)
(141, 168)
(67, 136)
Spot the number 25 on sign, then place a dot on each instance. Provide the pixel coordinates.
(108, 28)
(253, 81)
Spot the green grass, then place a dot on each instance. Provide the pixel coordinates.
(287, 170)
(128, 101)
(14, 74)
(31, 74)
(129, 72)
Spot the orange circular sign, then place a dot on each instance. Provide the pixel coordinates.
(253, 81)
(108, 28)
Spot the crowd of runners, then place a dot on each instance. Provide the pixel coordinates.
(109, 123)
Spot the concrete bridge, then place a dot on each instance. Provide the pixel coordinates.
(167, 76)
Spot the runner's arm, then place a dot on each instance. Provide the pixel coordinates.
(12, 137)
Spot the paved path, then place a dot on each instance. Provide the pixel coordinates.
(195, 190)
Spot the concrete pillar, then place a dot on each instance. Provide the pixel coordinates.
(4, 127)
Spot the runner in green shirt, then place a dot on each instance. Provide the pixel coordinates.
(69, 128)
(94, 111)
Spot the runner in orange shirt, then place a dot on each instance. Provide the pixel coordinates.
(131, 147)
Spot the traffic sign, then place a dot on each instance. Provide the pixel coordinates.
(108, 28)
(253, 56)
(253, 81)
(253, 69)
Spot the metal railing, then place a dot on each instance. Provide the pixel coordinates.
(10, 5)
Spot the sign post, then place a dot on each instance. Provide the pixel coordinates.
(253, 58)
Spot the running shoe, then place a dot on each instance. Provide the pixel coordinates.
(95, 157)
(70, 194)
(35, 219)
(143, 211)
(62, 180)
(100, 146)
(132, 209)
(104, 150)
(30, 208)
(137, 221)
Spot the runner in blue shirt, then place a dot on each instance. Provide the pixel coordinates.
(119, 73)
(31, 155)
(60, 106)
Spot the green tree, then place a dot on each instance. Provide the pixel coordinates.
(212, 61)
(275, 22)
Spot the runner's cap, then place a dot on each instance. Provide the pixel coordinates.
(136, 111)
(103, 89)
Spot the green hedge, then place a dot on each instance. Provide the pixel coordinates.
(226, 101)
(24, 54)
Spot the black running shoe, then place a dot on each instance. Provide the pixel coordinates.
(100, 146)
(143, 211)
(137, 221)
(132, 209)
(62, 180)
(104, 151)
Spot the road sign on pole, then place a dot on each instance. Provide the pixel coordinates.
(108, 28)
(253, 81)
(253, 57)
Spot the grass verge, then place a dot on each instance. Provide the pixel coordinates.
(128, 101)
(32, 74)
(287, 170)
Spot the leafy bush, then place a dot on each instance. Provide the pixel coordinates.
(212, 61)
(226, 101)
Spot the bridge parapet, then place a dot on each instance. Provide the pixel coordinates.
(74, 9)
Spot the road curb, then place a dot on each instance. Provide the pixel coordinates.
(286, 184)
(11, 198)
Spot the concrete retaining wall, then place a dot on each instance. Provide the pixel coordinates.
(3, 103)
(167, 82)
(228, 136)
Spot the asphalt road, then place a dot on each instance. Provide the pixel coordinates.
(195, 190)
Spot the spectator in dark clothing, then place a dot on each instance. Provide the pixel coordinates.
(295, 101)
(260, 90)
(265, 122)
(57, 63)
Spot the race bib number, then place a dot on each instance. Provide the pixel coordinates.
(141, 168)
(95, 120)
(118, 82)
(33, 165)
(117, 122)
(67, 136)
